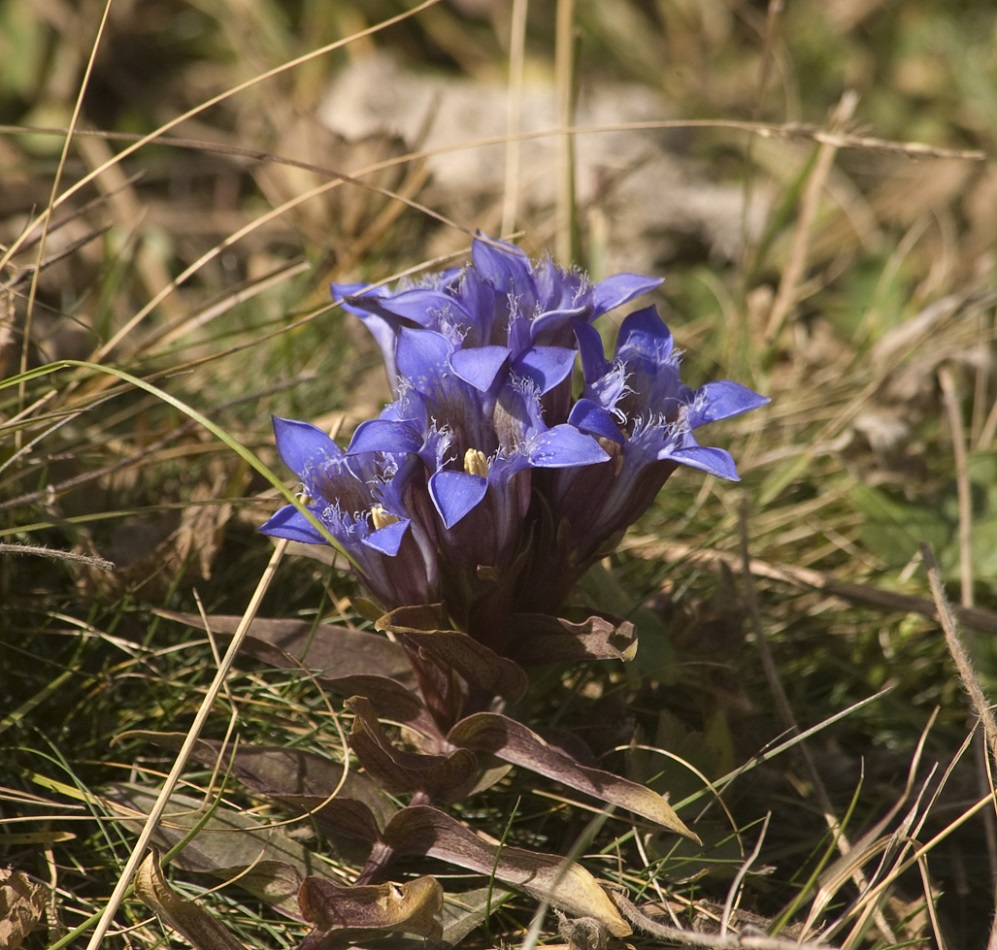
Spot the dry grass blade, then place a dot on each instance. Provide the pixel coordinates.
(742, 872)
(785, 297)
(221, 675)
(789, 721)
(232, 239)
(202, 107)
(895, 845)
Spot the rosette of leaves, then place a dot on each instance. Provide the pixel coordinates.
(433, 681)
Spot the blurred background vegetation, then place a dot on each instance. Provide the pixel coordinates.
(817, 184)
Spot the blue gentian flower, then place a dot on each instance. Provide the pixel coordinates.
(644, 416)
(486, 485)
(478, 448)
(361, 499)
(501, 311)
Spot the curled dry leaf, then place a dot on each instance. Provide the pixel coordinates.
(391, 698)
(422, 830)
(545, 639)
(483, 670)
(339, 912)
(191, 920)
(513, 742)
(22, 904)
(444, 778)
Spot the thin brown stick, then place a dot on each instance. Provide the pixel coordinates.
(42, 551)
(865, 595)
(950, 397)
(967, 674)
(690, 938)
(790, 131)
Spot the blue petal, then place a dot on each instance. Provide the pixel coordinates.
(384, 435)
(556, 325)
(588, 416)
(504, 266)
(715, 461)
(721, 400)
(292, 524)
(385, 334)
(415, 303)
(644, 333)
(345, 292)
(423, 356)
(594, 362)
(387, 540)
(301, 445)
(479, 365)
(418, 305)
(564, 446)
(455, 494)
(546, 366)
(619, 289)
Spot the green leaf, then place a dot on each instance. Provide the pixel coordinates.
(894, 526)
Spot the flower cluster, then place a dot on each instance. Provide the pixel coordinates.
(487, 485)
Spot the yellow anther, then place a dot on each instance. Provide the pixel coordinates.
(475, 463)
(381, 518)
